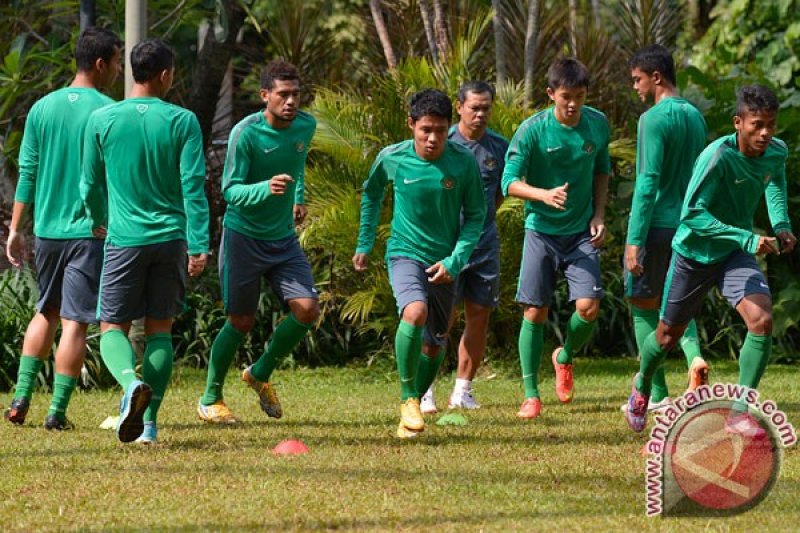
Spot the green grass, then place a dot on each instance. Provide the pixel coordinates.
(578, 467)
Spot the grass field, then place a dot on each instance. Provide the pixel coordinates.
(576, 468)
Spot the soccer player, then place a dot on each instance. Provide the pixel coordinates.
(68, 256)
(263, 185)
(671, 135)
(478, 284)
(558, 163)
(145, 156)
(715, 243)
(434, 181)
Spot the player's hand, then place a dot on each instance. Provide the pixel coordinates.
(15, 248)
(597, 229)
(100, 232)
(278, 184)
(632, 260)
(767, 245)
(360, 262)
(439, 274)
(556, 197)
(300, 211)
(197, 263)
(788, 241)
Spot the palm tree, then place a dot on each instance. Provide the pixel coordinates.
(383, 33)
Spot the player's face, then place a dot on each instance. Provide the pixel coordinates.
(110, 69)
(568, 103)
(282, 101)
(754, 131)
(475, 112)
(643, 83)
(430, 136)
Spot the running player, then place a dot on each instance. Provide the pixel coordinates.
(148, 155)
(435, 181)
(478, 284)
(558, 163)
(671, 135)
(263, 185)
(715, 243)
(68, 256)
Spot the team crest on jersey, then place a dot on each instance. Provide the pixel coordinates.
(490, 163)
(300, 146)
(73, 97)
(448, 183)
(142, 108)
(588, 147)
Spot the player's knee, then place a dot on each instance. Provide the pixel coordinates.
(242, 323)
(761, 324)
(306, 312)
(415, 313)
(588, 310)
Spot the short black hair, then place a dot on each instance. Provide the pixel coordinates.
(567, 73)
(278, 70)
(755, 99)
(95, 43)
(149, 58)
(654, 58)
(430, 102)
(475, 86)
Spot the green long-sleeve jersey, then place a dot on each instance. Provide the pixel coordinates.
(670, 137)
(429, 197)
(148, 155)
(547, 154)
(725, 190)
(256, 153)
(50, 162)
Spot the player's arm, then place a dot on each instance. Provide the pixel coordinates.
(778, 209)
(26, 189)
(515, 179)
(602, 169)
(15, 246)
(193, 172)
(93, 176)
(371, 203)
(300, 211)
(235, 189)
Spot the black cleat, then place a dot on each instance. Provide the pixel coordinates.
(52, 422)
(17, 411)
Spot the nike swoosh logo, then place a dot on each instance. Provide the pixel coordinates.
(551, 149)
(268, 150)
(737, 182)
(595, 288)
(526, 376)
(409, 182)
(764, 285)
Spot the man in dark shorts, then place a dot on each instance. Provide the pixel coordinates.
(68, 256)
(715, 245)
(146, 156)
(263, 185)
(434, 181)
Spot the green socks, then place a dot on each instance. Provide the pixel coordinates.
(222, 353)
(578, 332)
(427, 370)
(29, 367)
(285, 337)
(652, 357)
(531, 342)
(408, 350)
(157, 370)
(690, 343)
(753, 359)
(118, 356)
(645, 322)
(62, 391)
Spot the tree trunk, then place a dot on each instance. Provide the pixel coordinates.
(531, 39)
(430, 35)
(383, 33)
(442, 33)
(499, 41)
(596, 13)
(573, 26)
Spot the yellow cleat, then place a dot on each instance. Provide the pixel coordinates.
(405, 433)
(216, 413)
(267, 397)
(411, 416)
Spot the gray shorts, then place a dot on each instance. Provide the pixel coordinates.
(410, 284)
(545, 255)
(654, 256)
(68, 275)
(479, 281)
(245, 260)
(688, 282)
(139, 281)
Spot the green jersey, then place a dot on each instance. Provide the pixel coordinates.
(256, 153)
(429, 197)
(50, 162)
(725, 190)
(547, 154)
(148, 155)
(670, 137)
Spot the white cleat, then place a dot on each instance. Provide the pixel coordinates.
(428, 404)
(464, 400)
